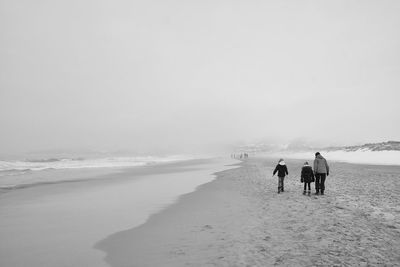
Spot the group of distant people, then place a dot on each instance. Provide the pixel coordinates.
(308, 175)
(240, 156)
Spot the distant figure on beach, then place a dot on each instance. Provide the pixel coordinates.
(321, 170)
(307, 177)
(282, 172)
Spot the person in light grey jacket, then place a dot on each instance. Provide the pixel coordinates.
(321, 170)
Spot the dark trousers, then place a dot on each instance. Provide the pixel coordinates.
(280, 183)
(320, 181)
(305, 186)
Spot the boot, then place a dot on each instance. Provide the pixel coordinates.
(322, 191)
(317, 192)
(304, 192)
(309, 192)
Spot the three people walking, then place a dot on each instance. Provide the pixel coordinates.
(308, 175)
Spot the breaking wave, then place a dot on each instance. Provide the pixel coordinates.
(19, 167)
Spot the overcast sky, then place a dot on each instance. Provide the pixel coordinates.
(170, 75)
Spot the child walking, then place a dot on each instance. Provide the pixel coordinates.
(282, 171)
(307, 177)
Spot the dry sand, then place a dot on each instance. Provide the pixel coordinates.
(240, 220)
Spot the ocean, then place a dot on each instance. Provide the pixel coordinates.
(28, 172)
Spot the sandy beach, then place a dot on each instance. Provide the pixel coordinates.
(237, 219)
(240, 220)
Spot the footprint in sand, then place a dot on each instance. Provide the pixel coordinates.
(177, 252)
(206, 227)
(267, 238)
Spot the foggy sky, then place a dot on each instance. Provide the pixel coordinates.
(178, 75)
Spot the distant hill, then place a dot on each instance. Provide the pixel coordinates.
(298, 147)
(383, 146)
(259, 147)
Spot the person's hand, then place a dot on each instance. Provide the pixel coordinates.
(327, 174)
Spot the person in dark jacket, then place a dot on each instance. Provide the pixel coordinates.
(307, 177)
(282, 172)
(321, 170)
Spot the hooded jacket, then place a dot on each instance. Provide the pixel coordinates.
(321, 165)
(307, 174)
(281, 169)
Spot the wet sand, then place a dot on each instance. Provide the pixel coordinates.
(58, 223)
(240, 220)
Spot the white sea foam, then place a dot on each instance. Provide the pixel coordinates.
(79, 163)
(23, 173)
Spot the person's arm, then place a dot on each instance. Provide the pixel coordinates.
(287, 173)
(327, 168)
(315, 165)
(276, 169)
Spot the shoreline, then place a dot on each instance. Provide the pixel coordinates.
(137, 246)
